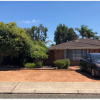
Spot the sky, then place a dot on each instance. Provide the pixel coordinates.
(52, 13)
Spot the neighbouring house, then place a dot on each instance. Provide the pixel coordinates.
(73, 50)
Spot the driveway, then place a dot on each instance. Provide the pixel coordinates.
(47, 76)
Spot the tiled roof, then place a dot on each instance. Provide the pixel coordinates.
(78, 44)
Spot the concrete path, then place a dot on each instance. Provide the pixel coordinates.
(49, 87)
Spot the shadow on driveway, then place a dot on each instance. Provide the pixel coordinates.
(88, 75)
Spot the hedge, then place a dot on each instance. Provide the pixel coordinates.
(29, 65)
(38, 64)
(62, 64)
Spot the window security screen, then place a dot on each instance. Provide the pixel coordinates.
(74, 54)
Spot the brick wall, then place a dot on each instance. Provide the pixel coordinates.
(51, 58)
(74, 63)
(58, 54)
(94, 51)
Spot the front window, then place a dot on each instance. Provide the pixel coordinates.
(75, 54)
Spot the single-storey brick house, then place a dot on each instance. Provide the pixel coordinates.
(73, 50)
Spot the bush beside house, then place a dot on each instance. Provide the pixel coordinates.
(29, 65)
(62, 64)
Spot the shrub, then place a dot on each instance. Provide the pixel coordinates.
(39, 64)
(67, 63)
(39, 55)
(29, 65)
(62, 64)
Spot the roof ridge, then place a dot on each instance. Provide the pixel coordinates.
(95, 39)
(89, 43)
(90, 39)
(77, 41)
(62, 43)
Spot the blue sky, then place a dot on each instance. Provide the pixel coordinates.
(51, 14)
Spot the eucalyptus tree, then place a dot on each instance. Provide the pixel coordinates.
(60, 35)
(64, 34)
(71, 35)
(37, 33)
(42, 33)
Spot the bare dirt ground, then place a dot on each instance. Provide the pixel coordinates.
(47, 76)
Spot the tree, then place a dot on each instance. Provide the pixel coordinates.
(82, 31)
(48, 42)
(88, 33)
(14, 41)
(16, 44)
(31, 32)
(63, 34)
(71, 35)
(37, 33)
(96, 37)
(60, 35)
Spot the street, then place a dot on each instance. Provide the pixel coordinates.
(49, 96)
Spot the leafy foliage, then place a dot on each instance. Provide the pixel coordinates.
(39, 55)
(37, 33)
(38, 64)
(29, 65)
(71, 35)
(13, 40)
(88, 33)
(67, 61)
(60, 34)
(63, 34)
(82, 31)
(62, 64)
(15, 43)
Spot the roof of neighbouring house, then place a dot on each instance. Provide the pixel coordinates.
(78, 44)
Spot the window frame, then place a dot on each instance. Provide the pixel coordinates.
(70, 54)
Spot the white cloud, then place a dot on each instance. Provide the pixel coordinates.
(33, 21)
(26, 21)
